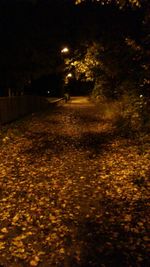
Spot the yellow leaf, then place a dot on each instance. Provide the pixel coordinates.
(15, 218)
(2, 245)
(4, 230)
(62, 251)
(35, 261)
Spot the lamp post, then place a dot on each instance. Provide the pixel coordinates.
(64, 52)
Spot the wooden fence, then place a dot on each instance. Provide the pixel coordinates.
(12, 108)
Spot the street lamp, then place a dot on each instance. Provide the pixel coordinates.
(69, 75)
(64, 50)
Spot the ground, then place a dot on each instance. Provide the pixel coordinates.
(74, 193)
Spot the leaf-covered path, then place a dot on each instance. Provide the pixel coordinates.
(73, 193)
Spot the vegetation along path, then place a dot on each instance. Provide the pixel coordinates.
(73, 192)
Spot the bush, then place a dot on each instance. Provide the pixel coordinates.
(129, 113)
(133, 113)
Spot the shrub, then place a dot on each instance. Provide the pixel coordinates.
(133, 113)
(129, 113)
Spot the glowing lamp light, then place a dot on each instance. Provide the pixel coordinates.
(65, 50)
(69, 75)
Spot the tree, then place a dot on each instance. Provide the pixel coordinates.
(121, 3)
(117, 60)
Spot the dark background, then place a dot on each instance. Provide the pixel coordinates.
(34, 31)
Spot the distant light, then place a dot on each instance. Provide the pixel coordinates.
(69, 75)
(48, 92)
(65, 50)
(141, 96)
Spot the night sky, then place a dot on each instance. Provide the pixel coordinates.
(34, 31)
(61, 21)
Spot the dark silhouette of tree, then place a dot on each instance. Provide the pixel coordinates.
(32, 33)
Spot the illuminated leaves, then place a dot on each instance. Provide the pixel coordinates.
(85, 67)
(121, 3)
(73, 191)
(34, 261)
(133, 44)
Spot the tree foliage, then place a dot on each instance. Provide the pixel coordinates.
(117, 61)
(33, 34)
(121, 3)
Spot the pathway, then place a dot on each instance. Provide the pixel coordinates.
(73, 193)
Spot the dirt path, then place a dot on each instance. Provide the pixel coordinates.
(72, 192)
